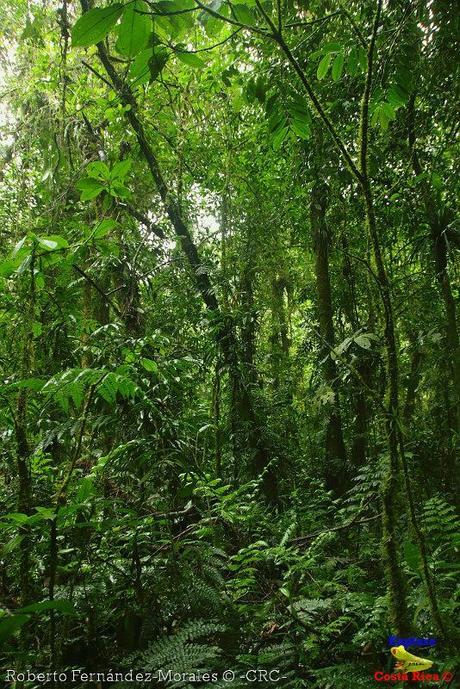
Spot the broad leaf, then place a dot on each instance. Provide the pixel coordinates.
(244, 15)
(63, 606)
(139, 71)
(191, 60)
(52, 242)
(134, 29)
(301, 128)
(94, 25)
(47, 244)
(121, 169)
(149, 365)
(10, 625)
(103, 228)
(98, 169)
(412, 555)
(331, 47)
(337, 66)
(279, 137)
(323, 66)
(90, 188)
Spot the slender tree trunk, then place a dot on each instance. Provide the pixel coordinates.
(412, 382)
(438, 222)
(362, 417)
(397, 586)
(335, 452)
(396, 581)
(256, 440)
(395, 436)
(24, 498)
(360, 403)
(279, 337)
(216, 394)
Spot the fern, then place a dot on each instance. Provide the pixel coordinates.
(181, 653)
(342, 676)
(282, 657)
(113, 384)
(440, 522)
(306, 610)
(196, 629)
(373, 621)
(71, 386)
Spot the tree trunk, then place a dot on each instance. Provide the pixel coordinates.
(24, 498)
(279, 338)
(360, 402)
(254, 437)
(335, 452)
(438, 222)
(412, 383)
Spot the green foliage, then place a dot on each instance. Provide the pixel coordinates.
(292, 115)
(101, 179)
(156, 62)
(221, 257)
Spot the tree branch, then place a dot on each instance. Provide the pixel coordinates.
(293, 25)
(353, 522)
(205, 50)
(216, 15)
(320, 109)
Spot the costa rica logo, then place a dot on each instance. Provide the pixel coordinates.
(411, 667)
(407, 662)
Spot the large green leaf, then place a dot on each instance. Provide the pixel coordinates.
(412, 555)
(139, 72)
(278, 138)
(103, 228)
(134, 29)
(10, 625)
(323, 66)
(149, 365)
(63, 606)
(301, 128)
(337, 66)
(121, 169)
(8, 267)
(191, 60)
(331, 47)
(90, 188)
(94, 25)
(353, 62)
(53, 242)
(244, 14)
(98, 169)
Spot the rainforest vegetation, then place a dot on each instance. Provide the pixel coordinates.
(229, 339)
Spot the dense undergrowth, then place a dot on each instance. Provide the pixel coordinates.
(229, 353)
